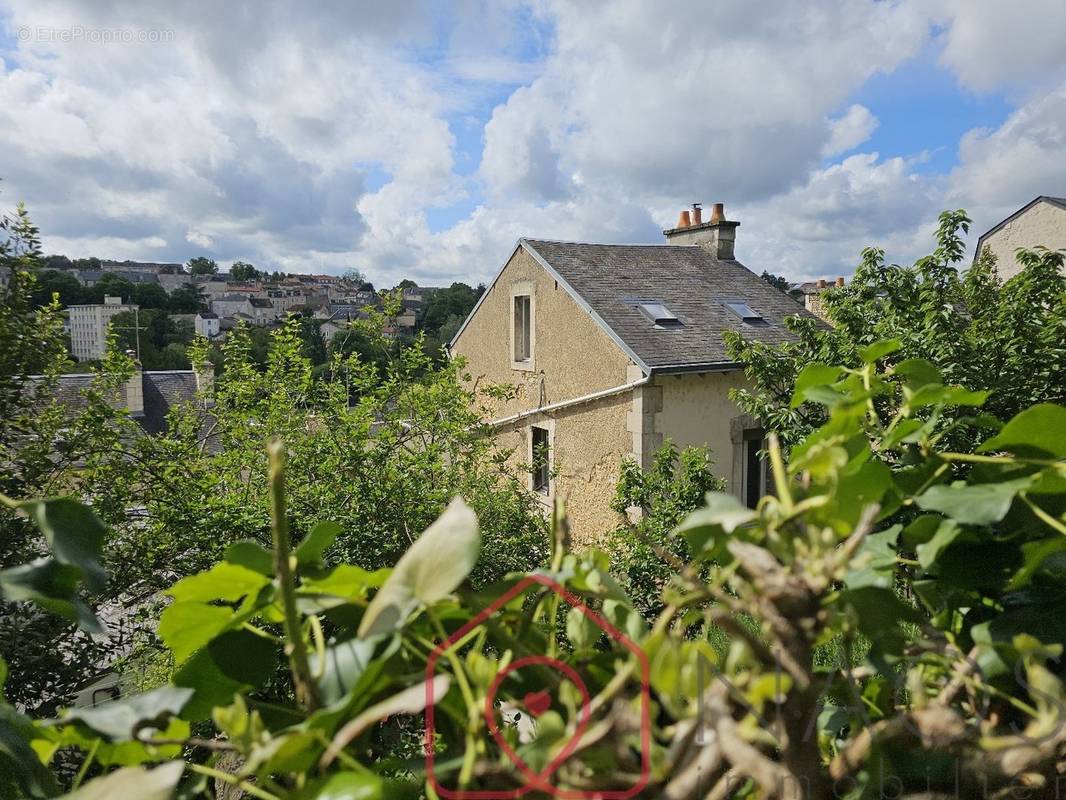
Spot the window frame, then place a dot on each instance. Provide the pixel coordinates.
(540, 471)
(519, 290)
(754, 440)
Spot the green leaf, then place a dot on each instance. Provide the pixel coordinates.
(185, 627)
(144, 784)
(74, 534)
(875, 562)
(52, 586)
(706, 529)
(945, 535)
(321, 537)
(934, 394)
(917, 372)
(345, 664)
(430, 570)
(119, 720)
(1037, 432)
(351, 786)
(251, 555)
(879, 350)
(811, 376)
(224, 581)
(977, 504)
(236, 661)
(582, 631)
(18, 761)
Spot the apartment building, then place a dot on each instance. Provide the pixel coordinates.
(88, 327)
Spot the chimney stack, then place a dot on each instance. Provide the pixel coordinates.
(821, 283)
(716, 236)
(134, 389)
(840, 281)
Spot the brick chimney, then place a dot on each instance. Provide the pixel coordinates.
(205, 382)
(134, 389)
(717, 236)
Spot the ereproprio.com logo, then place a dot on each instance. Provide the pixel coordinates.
(527, 778)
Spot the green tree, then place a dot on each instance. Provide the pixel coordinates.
(113, 284)
(243, 271)
(644, 554)
(42, 445)
(987, 335)
(805, 645)
(201, 265)
(187, 299)
(150, 295)
(51, 282)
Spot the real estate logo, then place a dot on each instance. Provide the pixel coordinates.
(536, 704)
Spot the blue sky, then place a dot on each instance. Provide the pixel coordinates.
(422, 140)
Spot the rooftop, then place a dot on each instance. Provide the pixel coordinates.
(614, 282)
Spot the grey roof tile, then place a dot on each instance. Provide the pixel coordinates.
(689, 280)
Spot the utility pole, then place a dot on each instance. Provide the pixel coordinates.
(136, 329)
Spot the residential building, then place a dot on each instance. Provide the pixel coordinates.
(812, 294)
(1039, 223)
(226, 305)
(207, 324)
(260, 310)
(147, 395)
(88, 327)
(615, 349)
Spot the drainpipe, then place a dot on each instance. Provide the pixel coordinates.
(588, 398)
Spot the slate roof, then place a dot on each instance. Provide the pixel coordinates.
(260, 302)
(161, 389)
(609, 280)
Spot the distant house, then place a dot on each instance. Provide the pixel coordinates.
(227, 305)
(88, 326)
(260, 310)
(1041, 222)
(147, 395)
(207, 324)
(812, 294)
(615, 349)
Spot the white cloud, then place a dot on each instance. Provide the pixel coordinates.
(198, 239)
(849, 130)
(324, 141)
(990, 45)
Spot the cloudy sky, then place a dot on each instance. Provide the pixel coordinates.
(421, 139)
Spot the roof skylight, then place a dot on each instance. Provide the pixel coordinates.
(744, 311)
(658, 313)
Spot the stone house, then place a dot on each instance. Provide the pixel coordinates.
(615, 349)
(1041, 222)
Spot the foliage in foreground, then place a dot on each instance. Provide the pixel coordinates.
(863, 658)
(1005, 338)
(378, 447)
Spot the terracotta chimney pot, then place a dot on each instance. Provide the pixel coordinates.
(685, 220)
(697, 214)
(718, 212)
(840, 281)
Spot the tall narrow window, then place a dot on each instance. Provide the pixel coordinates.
(541, 465)
(754, 470)
(522, 333)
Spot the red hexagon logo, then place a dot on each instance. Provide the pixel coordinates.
(537, 703)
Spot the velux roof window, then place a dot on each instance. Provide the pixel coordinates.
(658, 313)
(744, 311)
